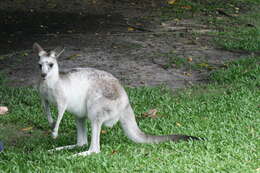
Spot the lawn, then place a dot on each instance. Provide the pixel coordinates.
(225, 111)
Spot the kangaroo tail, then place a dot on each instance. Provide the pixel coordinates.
(131, 129)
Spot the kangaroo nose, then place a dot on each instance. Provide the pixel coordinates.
(43, 75)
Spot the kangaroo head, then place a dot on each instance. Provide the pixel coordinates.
(48, 61)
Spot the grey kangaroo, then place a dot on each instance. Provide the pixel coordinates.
(91, 94)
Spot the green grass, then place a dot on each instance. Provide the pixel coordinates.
(241, 32)
(190, 8)
(172, 60)
(248, 39)
(235, 23)
(226, 112)
(241, 36)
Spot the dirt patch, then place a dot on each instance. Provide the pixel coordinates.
(13, 135)
(138, 52)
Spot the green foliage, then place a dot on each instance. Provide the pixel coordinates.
(190, 8)
(242, 37)
(247, 39)
(243, 71)
(235, 22)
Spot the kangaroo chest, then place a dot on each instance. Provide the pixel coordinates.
(48, 94)
(74, 99)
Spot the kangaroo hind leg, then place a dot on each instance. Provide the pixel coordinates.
(95, 139)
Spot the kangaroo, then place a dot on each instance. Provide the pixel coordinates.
(91, 94)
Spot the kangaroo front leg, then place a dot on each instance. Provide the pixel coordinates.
(95, 139)
(47, 110)
(81, 136)
(61, 110)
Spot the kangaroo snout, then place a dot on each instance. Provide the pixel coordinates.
(44, 75)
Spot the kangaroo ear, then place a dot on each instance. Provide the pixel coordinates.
(57, 52)
(38, 49)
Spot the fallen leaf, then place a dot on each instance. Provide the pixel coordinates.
(27, 129)
(212, 68)
(234, 15)
(130, 29)
(186, 7)
(176, 20)
(187, 74)
(178, 124)
(114, 152)
(163, 24)
(189, 59)
(203, 31)
(205, 65)
(24, 54)
(103, 131)
(152, 113)
(73, 56)
(237, 9)
(3, 110)
(171, 2)
(51, 5)
(225, 65)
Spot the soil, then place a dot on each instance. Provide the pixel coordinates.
(122, 39)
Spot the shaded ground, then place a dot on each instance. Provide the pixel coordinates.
(119, 39)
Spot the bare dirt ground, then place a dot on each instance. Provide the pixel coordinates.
(120, 39)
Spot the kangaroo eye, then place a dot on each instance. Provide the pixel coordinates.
(51, 65)
(40, 66)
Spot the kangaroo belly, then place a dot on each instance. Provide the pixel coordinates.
(76, 102)
(77, 107)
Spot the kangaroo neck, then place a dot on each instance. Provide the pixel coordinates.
(52, 80)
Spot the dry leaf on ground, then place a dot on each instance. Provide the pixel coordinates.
(114, 152)
(3, 110)
(178, 124)
(189, 59)
(171, 2)
(27, 129)
(187, 7)
(130, 29)
(152, 113)
(103, 131)
(187, 74)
